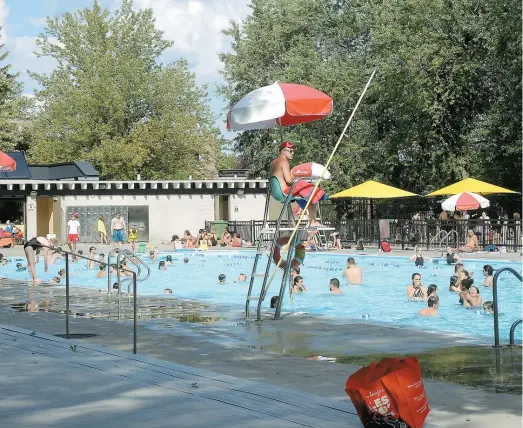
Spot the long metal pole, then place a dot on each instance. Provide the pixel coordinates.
(66, 295)
(135, 311)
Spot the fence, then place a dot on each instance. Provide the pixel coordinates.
(427, 233)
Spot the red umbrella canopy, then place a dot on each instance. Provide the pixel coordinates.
(283, 104)
(7, 163)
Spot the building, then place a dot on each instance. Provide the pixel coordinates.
(47, 195)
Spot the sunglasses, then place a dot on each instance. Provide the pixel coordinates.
(290, 150)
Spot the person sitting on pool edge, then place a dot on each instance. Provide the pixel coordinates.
(281, 169)
(416, 291)
(432, 309)
(334, 286)
(353, 273)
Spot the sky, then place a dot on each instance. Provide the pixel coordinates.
(194, 25)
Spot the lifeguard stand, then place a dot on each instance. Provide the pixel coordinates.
(267, 242)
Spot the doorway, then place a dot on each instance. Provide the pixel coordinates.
(221, 211)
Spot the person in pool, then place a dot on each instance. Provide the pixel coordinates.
(455, 279)
(274, 301)
(185, 260)
(419, 259)
(241, 278)
(91, 263)
(20, 267)
(102, 271)
(416, 291)
(334, 286)
(432, 290)
(471, 297)
(169, 260)
(452, 256)
(298, 286)
(488, 273)
(167, 291)
(432, 307)
(32, 250)
(295, 272)
(353, 273)
(162, 265)
(488, 306)
(281, 169)
(221, 278)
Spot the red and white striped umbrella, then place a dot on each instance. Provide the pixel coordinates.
(464, 202)
(7, 163)
(282, 104)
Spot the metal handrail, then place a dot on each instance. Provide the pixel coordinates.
(133, 258)
(495, 300)
(67, 296)
(513, 329)
(437, 236)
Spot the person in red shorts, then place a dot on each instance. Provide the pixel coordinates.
(73, 232)
(281, 169)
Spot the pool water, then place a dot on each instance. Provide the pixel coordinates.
(380, 300)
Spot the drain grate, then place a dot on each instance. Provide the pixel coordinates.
(77, 335)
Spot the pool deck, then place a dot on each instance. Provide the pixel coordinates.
(233, 373)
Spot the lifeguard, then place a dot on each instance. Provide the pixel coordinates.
(281, 170)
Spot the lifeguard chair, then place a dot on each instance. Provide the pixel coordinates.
(269, 241)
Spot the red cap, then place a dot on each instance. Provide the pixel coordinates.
(287, 145)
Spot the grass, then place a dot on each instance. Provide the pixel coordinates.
(466, 365)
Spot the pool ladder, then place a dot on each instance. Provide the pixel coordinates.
(263, 249)
(495, 306)
(125, 254)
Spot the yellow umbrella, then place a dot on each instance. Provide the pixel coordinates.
(372, 189)
(470, 185)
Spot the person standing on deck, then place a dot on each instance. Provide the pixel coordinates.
(73, 232)
(118, 230)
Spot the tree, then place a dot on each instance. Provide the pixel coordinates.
(13, 107)
(109, 100)
(445, 104)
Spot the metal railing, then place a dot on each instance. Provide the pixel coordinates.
(495, 300)
(513, 330)
(496, 232)
(67, 290)
(131, 257)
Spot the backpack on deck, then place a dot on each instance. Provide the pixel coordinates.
(385, 247)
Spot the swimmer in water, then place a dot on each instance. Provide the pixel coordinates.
(432, 290)
(471, 298)
(452, 256)
(419, 259)
(353, 273)
(169, 260)
(488, 272)
(185, 260)
(162, 265)
(432, 309)
(488, 306)
(101, 272)
(298, 286)
(416, 291)
(221, 278)
(241, 278)
(167, 291)
(334, 286)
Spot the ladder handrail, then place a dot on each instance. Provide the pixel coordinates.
(452, 232)
(129, 256)
(495, 300)
(512, 330)
(436, 237)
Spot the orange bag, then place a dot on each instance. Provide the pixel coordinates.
(392, 388)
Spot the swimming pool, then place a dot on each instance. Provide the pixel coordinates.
(380, 300)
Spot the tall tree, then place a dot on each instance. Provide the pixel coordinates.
(110, 101)
(13, 106)
(445, 104)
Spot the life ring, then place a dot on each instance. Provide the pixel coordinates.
(299, 253)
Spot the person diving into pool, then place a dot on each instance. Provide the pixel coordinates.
(32, 250)
(281, 170)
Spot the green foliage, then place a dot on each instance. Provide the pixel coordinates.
(446, 103)
(13, 107)
(110, 102)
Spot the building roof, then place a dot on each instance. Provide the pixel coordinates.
(60, 171)
(21, 172)
(63, 171)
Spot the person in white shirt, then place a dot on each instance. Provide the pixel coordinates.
(73, 232)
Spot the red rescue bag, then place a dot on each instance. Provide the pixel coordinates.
(385, 247)
(392, 388)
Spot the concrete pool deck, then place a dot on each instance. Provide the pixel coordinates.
(264, 352)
